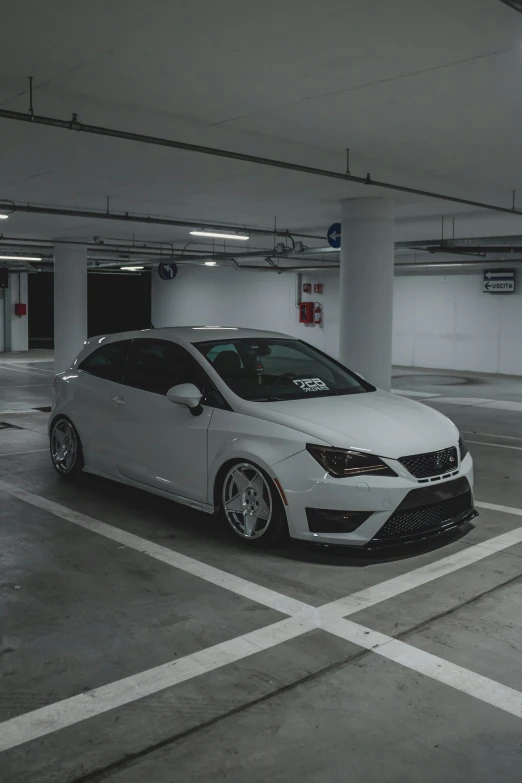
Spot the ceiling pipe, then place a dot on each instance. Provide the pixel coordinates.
(405, 266)
(126, 217)
(280, 269)
(472, 264)
(18, 244)
(74, 125)
(418, 244)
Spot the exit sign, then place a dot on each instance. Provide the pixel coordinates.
(499, 281)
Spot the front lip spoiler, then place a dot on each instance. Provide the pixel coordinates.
(446, 528)
(383, 544)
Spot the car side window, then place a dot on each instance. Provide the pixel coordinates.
(108, 361)
(158, 365)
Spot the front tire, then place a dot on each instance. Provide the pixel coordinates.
(66, 449)
(252, 506)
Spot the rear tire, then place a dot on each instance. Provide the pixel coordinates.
(252, 506)
(66, 449)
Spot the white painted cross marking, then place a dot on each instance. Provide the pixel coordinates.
(302, 618)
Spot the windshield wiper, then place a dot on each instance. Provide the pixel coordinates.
(266, 399)
(341, 392)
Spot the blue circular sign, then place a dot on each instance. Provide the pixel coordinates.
(333, 235)
(167, 271)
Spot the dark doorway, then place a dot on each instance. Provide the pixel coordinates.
(40, 310)
(116, 303)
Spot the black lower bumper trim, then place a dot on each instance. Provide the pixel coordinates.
(415, 538)
(322, 520)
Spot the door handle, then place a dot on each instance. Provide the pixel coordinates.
(119, 401)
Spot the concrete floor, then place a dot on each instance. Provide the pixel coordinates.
(139, 641)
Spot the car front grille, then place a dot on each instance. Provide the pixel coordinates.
(425, 519)
(434, 464)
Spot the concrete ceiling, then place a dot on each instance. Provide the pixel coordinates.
(425, 93)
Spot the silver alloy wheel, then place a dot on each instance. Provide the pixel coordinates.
(64, 446)
(247, 500)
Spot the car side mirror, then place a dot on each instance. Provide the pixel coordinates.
(186, 394)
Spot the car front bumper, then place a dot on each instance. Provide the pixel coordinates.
(372, 510)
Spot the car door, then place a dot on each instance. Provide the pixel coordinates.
(99, 385)
(160, 443)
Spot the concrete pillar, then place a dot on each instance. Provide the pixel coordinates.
(70, 303)
(366, 288)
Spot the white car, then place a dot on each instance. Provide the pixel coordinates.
(265, 429)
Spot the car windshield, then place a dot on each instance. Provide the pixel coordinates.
(268, 369)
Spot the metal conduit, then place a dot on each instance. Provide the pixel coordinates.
(126, 217)
(80, 127)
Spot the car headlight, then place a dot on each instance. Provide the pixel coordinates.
(463, 449)
(342, 463)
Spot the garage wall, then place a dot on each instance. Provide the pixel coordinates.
(448, 322)
(440, 321)
(262, 300)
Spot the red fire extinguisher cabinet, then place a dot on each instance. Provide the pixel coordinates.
(306, 313)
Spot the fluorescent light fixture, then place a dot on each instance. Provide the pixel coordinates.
(20, 258)
(3, 216)
(210, 263)
(218, 235)
(132, 268)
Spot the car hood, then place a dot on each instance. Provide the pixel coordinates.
(381, 423)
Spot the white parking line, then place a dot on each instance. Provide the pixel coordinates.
(495, 445)
(421, 576)
(490, 435)
(46, 720)
(457, 677)
(410, 393)
(17, 453)
(27, 386)
(499, 405)
(13, 412)
(257, 593)
(504, 509)
(303, 618)
(30, 370)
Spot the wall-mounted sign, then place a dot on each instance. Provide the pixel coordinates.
(499, 281)
(333, 235)
(167, 271)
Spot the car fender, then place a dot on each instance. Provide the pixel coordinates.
(235, 437)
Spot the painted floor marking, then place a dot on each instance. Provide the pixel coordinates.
(457, 677)
(504, 509)
(489, 435)
(302, 618)
(234, 584)
(27, 386)
(46, 720)
(12, 412)
(495, 445)
(397, 585)
(500, 405)
(411, 393)
(30, 370)
(17, 453)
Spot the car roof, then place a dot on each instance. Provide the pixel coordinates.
(193, 334)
